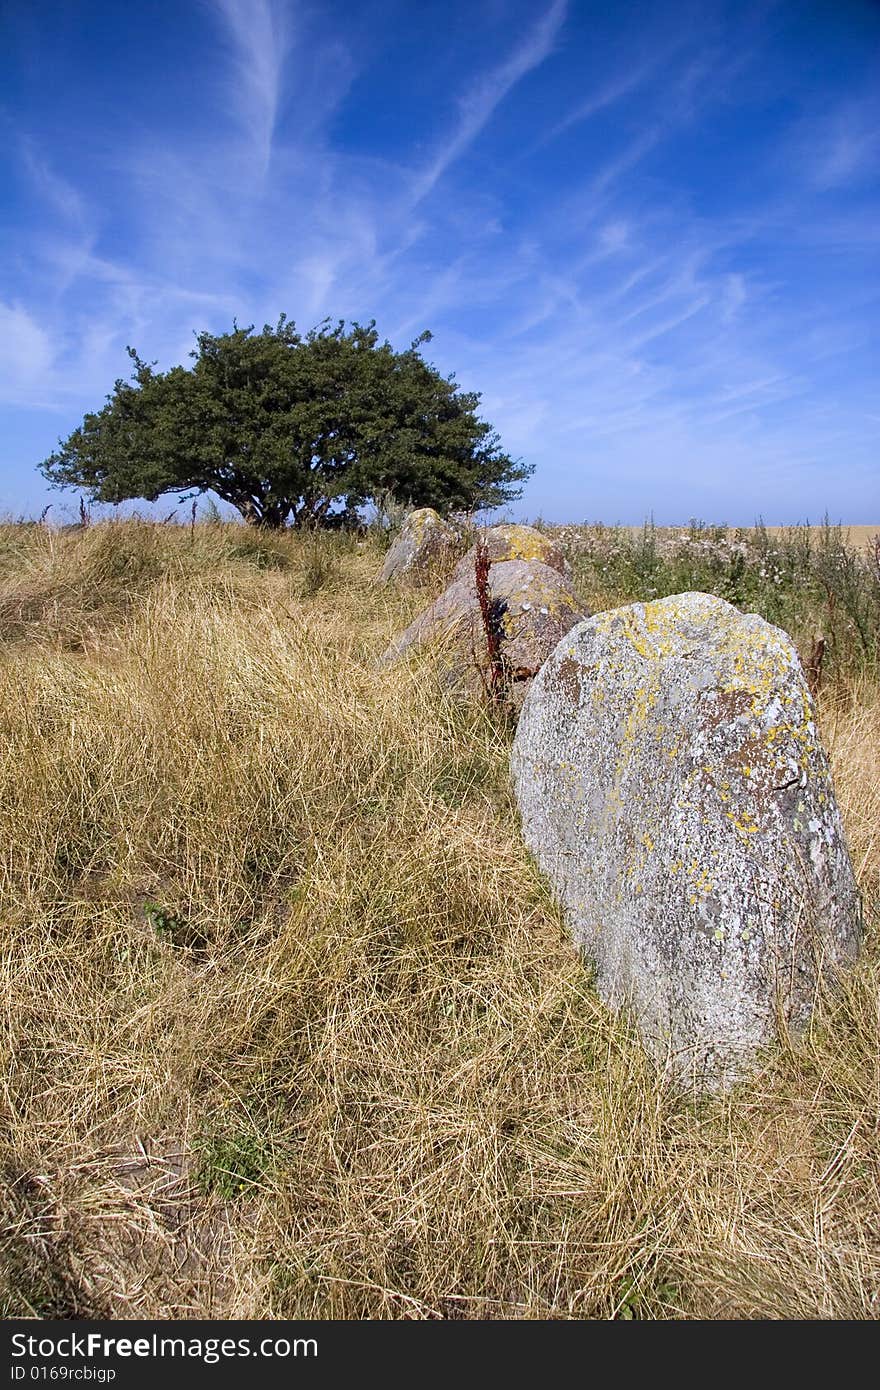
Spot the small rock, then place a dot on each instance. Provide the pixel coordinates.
(513, 542)
(425, 546)
(529, 629)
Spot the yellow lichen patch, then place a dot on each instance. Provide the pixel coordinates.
(658, 629)
(522, 543)
(644, 698)
(423, 519)
(744, 823)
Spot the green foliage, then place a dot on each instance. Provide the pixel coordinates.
(806, 582)
(233, 1159)
(163, 920)
(173, 928)
(291, 428)
(650, 1300)
(242, 1140)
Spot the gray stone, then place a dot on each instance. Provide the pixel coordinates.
(673, 787)
(515, 542)
(533, 606)
(426, 545)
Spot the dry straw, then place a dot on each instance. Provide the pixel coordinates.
(290, 1026)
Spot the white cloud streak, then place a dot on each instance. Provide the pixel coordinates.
(260, 33)
(617, 333)
(477, 106)
(625, 84)
(26, 356)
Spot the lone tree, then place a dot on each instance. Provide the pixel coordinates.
(291, 429)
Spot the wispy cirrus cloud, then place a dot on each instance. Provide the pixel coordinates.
(58, 193)
(261, 34)
(657, 317)
(26, 356)
(631, 77)
(845, 148)
(476, 106)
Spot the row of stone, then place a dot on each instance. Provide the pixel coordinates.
(532, 602)
(672, 786)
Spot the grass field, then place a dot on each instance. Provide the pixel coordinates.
(291, 1027)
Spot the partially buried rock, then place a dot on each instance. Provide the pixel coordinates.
(532, 607)
(515, 542)
(673, 787)
(425, 546)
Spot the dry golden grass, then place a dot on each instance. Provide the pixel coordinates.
(290, 1025)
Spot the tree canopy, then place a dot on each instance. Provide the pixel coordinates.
(291, 429)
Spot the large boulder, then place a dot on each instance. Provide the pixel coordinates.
(515, 542)
(532, 608)
(673, 787)
(425, 546)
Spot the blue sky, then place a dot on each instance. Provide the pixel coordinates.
(648, 233)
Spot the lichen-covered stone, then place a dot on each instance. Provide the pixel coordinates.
(673, 787)
(514, 542)
(532, 605)
(425, 546)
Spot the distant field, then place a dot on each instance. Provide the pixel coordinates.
(859, 537)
